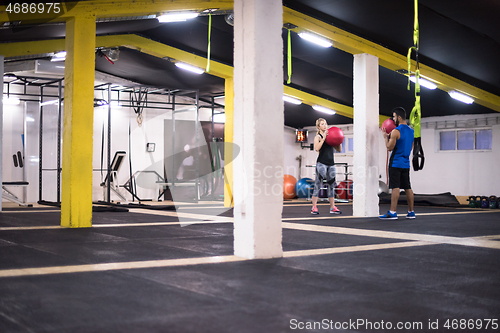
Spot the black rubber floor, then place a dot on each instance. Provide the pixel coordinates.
(415, 288)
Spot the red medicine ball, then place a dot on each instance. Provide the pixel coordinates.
(335, 136)
(389, 125)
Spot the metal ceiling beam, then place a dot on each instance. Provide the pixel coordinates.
(389, 59)
(160, 50)
(342, 40)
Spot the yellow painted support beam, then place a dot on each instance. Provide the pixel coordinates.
(111, 8)
(160, 50)
(17, 49)
(389, 59)
(228, 143)
(342, 40)
(76, 201)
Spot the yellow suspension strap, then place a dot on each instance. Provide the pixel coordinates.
(289, 58)
(209, 37)
(415, 116)
(289, 27)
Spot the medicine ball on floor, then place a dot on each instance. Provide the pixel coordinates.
(304, 188)
(344, 189)
(289, 187)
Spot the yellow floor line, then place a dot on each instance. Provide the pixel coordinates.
(357, 248)
(466, 241)
(43, 227)
(182, 215)
(31, 211)
(116, 266)
(189, 261)
(487, 237)
(114, 225)
(401, 217)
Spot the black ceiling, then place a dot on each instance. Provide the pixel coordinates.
(458, 38)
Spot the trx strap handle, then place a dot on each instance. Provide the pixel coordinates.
(416, 114)
(418, 155)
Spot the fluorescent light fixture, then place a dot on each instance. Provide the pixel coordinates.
(461, 97)
(324, 110)
(219, 97)
(51, 102)
(11, 101)
(190, 68)
(30, 119)
(59, 56)
(292, 100)
(316, 39)
(219, 118)
(115, 105)
(176, 17)
(424, 83)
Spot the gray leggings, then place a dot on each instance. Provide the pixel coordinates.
(324, 172)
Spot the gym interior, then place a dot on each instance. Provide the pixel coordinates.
(138, 197)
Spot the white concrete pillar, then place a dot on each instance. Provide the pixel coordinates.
(258, 128)
(366, 136)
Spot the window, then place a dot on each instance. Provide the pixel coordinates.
(479, 139)
(483, 139)
(347, 146)
(447, 140)
(465, 140)
(343, 149)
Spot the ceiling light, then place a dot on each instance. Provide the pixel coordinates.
(54, 101)
(190, 68)
(176, 17)
(115, 105)
(316, 39)
(11, 101)
(292, 100)
(59, 56)
(323, 109)
(460, 97)
(424, 83)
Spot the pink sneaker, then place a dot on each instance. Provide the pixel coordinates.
(314, 210)
(335, 210)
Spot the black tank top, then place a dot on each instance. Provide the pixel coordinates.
(326, 154)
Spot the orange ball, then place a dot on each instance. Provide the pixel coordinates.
(289, 187)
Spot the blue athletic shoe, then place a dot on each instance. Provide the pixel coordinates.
(410, 215)
(389, 216)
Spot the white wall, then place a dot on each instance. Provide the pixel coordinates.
(462, 173)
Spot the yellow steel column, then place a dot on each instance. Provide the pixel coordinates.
(228, 146)
(76, 201)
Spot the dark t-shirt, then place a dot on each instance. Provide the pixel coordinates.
(326, 154)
